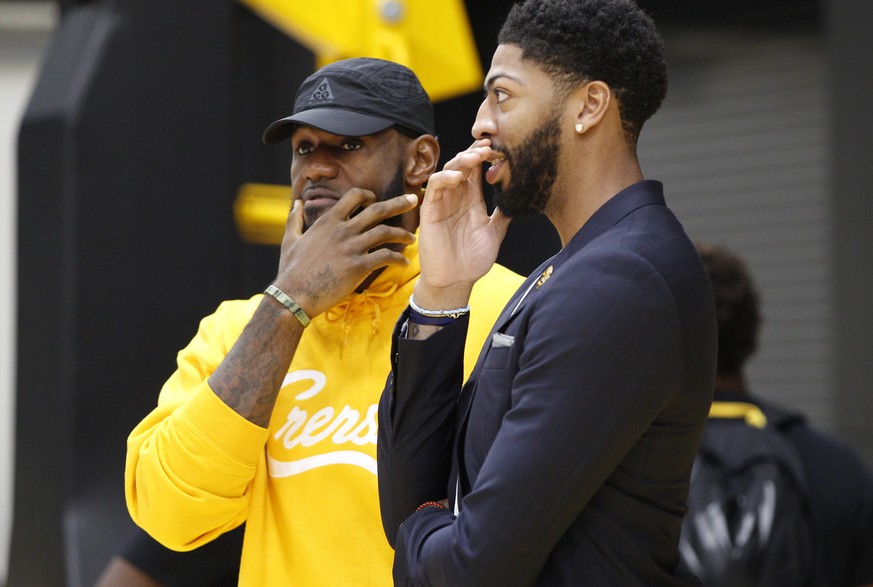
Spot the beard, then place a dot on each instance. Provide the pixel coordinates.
(395, 187)
(534, 168)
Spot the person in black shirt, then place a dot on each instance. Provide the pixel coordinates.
(839, 485)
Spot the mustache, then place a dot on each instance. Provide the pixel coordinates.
(318, 185)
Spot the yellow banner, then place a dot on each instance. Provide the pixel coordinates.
(260, 211)
(431, 37)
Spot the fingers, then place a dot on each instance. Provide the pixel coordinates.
(384, 257)
(374, 249)
(352, 201)
(464, 167)
(445, 179)
(361, 206)
(363, 231)
(382, 234)
(377, 213)
(294, 224)
(470, 159)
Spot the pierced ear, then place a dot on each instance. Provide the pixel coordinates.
(591, 102)
(422, 156)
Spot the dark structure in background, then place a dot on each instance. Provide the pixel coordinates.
(145, 120)
(849, 37)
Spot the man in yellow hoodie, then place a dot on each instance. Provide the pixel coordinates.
(270, 417)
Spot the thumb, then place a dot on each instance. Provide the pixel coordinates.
(294, 224)
(500, 222)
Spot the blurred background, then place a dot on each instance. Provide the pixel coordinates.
(128, 131)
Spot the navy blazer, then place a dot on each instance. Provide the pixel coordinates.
(569, 450)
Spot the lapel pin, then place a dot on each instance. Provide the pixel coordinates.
(545, 276)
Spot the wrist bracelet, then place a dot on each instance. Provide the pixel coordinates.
(453, 314)
(284, 299)
(422, 320)
(431, 504)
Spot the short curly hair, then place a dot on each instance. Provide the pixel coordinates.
(737, 307)
(577, 41)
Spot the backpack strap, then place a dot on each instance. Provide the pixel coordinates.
(782, 419)
(752, 414)
(765, 416)
(757, 416)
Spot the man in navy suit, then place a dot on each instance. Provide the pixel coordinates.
(565, 459)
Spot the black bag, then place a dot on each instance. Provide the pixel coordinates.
(748, 522)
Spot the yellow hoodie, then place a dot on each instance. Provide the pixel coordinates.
(306, 487)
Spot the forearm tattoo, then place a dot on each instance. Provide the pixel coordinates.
(249, 377)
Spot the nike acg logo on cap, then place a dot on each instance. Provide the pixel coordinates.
(322, 92)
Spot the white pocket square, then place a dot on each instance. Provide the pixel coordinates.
(499, 340)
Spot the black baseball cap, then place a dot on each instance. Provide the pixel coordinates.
(358, 97)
